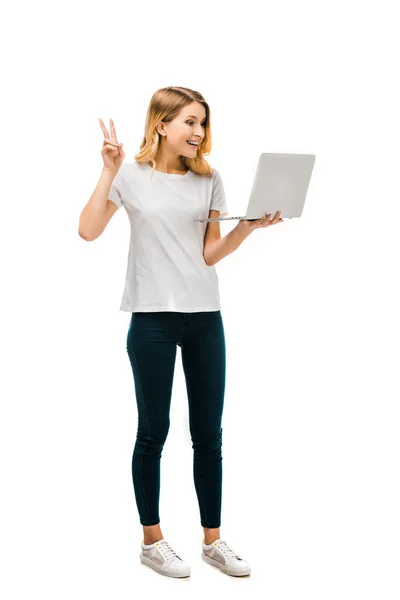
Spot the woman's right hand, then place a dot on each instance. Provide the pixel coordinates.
(112, 152)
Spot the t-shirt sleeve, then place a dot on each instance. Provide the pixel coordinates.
(116, 191)
(218, 200)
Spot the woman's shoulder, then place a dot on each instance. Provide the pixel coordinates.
(134, 169)
(134, 164)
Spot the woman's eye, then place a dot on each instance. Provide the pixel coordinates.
(190, 123)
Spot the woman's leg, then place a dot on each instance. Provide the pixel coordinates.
(204, 364)
(151, 346)
(152, 534)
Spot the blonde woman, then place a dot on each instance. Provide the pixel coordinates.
(171, 291)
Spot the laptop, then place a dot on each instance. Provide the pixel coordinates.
(281, 183)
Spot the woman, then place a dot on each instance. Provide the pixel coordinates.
(171, 289)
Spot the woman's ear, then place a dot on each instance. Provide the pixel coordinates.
(160, 129)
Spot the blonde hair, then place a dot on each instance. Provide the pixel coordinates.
(165, 105)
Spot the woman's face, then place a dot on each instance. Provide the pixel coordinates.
(188, 125)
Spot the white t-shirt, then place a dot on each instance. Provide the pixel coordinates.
(166, 270)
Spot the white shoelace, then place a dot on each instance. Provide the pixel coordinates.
(228, 552)
(166, 550)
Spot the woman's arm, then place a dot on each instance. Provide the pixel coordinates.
(216, 249)
(98, 211)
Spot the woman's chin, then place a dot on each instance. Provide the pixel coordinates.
(190, 153)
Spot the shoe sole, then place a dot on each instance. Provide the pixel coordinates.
(149, 563)
(224, 568)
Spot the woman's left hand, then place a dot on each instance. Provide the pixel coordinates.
(249, 226)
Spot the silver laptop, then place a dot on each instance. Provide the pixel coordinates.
(281, 183)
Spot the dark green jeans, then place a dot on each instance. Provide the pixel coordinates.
(151, 345)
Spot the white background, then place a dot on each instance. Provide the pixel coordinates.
(310, 307)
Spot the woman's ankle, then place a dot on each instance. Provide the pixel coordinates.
(211, 534)
(152, 534)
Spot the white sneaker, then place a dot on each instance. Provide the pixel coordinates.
(163, 559)
(221, 556)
